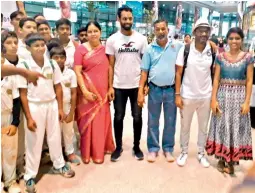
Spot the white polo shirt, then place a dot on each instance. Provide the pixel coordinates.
(22, 52)
(70, 49)
(69, 81)
(197, 81)
(9, 91)
(44, 91)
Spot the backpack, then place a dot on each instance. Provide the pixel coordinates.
(186, 55)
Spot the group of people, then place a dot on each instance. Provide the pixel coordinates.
(78, 81)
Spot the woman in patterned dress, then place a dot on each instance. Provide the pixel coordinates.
(229, 137)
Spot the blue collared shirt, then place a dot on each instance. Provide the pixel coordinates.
(160, 62)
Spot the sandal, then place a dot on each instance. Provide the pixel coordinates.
(221, 166)
(85, 161)
(229, 169)
(98, 161)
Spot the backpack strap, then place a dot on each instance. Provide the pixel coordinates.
(185, 56)
(52, 65)
(213, 51)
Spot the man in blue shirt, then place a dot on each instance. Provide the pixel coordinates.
(158, 66)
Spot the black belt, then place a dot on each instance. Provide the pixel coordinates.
(164, 87)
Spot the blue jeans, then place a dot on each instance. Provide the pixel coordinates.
(157, 97)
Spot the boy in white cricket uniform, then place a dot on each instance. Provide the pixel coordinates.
(10, 110)
(63, 27)
(43, 107)
(27, 26)
(69, 85)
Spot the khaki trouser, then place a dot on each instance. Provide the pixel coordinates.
(202, 108)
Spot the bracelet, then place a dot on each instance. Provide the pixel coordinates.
(177, 93)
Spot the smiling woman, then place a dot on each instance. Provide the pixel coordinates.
(229, 137)
(93, 109)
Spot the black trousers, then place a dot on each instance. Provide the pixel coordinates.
(252, 113)
(120, 101)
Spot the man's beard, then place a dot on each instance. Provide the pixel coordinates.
(126, 27)
(161, 37)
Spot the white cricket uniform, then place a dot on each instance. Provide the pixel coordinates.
(43, 107)
(69, 81)
(9, 144)
(22, 52)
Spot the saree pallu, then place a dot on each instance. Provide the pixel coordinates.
(94, 118)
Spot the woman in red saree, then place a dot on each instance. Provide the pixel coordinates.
(93, 108)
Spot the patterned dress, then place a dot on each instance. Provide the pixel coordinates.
(229, 137)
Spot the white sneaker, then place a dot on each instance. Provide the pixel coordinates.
(181, 160)
(14, 188)
(203, 160)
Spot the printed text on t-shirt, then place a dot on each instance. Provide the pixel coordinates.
(127, 48)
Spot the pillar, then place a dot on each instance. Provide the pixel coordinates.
(220, 25)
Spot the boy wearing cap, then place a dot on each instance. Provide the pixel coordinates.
(43, 111)
(193, 94)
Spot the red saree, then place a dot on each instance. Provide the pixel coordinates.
(94, 118)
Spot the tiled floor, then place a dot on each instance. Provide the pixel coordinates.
(131, 176)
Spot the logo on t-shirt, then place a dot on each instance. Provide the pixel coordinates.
(128, 47)
(209, 53)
